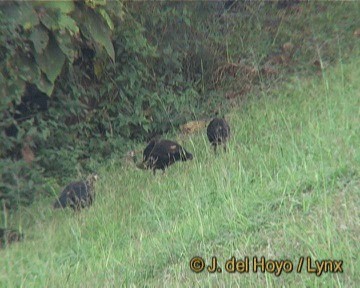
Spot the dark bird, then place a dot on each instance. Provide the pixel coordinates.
(78, 194)
(145, 154)
(160, 154)
(8, 236)
(218, 132)
(148, 149)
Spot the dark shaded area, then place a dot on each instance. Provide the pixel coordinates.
(32, 102)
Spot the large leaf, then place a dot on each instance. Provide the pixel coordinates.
(63, 26)
(50, 19)
(94, 3)
(66, 45)
(25, 68)
(45, 85)
(51, 61)
(115, 9)
(107, 18)
(66, 22)
(20, 14)
(40, 39)
(94, 29)
(65, 7)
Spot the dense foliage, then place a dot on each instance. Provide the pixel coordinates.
(42, 45)
(78, 79)
(82, 79)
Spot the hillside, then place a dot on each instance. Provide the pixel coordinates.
(287, 188)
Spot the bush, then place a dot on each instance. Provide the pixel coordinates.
(80, 80)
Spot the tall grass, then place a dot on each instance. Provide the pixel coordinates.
(288, 187)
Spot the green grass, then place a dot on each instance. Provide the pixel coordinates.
(288, 187)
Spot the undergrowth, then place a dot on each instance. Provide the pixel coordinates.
(287, 188)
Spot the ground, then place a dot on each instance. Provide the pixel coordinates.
(287, 188)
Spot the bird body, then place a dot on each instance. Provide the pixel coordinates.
(78, 194)
(148, 149)
(218, 132)
(160, 154)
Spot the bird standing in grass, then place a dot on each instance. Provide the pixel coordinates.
(160, 154)
(218, 132)
(8, 236)
(78, 195)
(148, 149)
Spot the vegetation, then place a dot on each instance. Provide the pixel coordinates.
(127, 71)
(287, 187)
(42, 46)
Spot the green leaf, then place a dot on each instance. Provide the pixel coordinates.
(44, 85)
(50, 19)
(66, 22)
(51, 61)
(20, 14)
(26, 68)
(64, 41)
(94, 3)
(65, 7)
(106, 17)
(94, 29)
(40, 39)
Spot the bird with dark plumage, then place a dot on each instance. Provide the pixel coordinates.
(160, 154)
(78, 195)
(218, 132)
(8, 236)
(149, 148)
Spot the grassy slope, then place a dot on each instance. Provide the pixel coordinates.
(288, 187)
